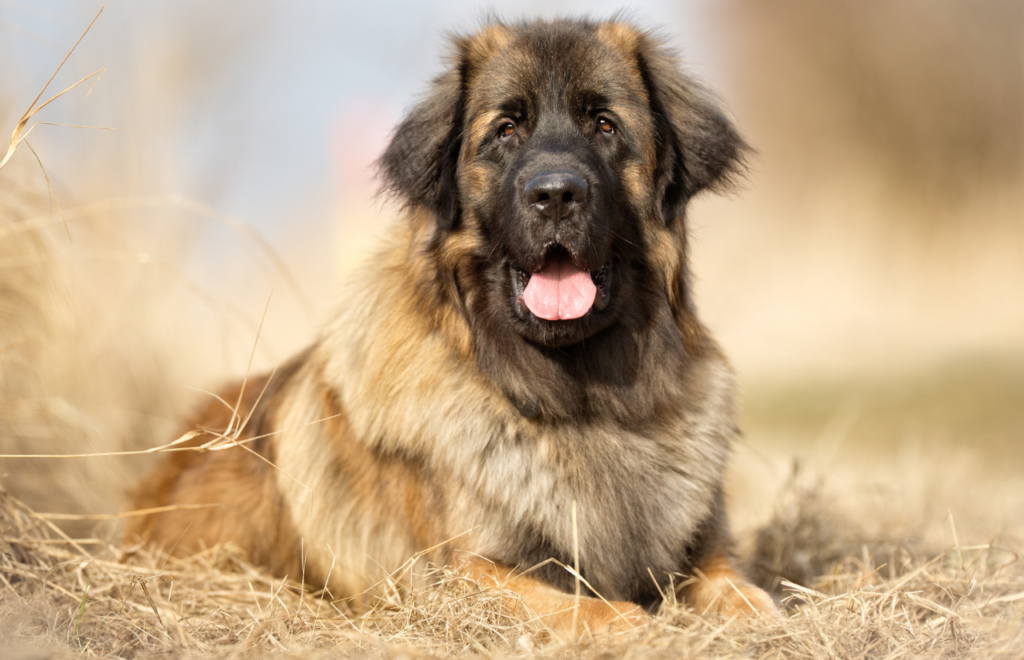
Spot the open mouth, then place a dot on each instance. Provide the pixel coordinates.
(560, 290)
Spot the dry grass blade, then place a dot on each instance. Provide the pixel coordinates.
(576, 567)
(126, 514)
(20, 133)
(169, 448)
(182, 440)
(93, 128)
(245, 379)
(53, 193)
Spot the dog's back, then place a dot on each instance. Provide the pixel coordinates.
(204, 497)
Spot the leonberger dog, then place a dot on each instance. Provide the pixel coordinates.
(523, 353)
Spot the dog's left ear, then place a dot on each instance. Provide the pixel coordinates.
(698, 147)
(421, 160)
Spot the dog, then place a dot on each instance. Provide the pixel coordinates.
(519, 375)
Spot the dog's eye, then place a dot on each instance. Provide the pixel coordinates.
(606, 126)
(507, 129)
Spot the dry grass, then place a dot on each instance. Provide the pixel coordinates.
(63, 596)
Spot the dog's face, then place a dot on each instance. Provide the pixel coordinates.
(566, 150)
(556, 125)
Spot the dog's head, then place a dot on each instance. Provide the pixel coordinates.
(565, 152)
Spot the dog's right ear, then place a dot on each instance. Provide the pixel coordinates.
(420, 163)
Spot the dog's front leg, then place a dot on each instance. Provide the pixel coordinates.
(555, 608)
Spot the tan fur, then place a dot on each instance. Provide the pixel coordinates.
(387, 438)
(719, 588)
(557, 609)
(620, 36)
(231, 481)
(487, 43)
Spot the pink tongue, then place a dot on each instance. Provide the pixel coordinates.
(560, 290)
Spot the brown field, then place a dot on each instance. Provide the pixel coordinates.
(868, 284)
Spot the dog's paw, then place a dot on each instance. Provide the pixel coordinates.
(718, 588)
(743, 599)
(729, 598)
(597, 616)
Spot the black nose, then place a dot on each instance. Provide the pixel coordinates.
(555, 194)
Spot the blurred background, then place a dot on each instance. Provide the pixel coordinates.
(867, 280)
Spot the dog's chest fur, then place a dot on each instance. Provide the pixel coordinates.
(641, 498)
(640, 503)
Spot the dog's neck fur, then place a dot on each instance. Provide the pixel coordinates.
(630, 374)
